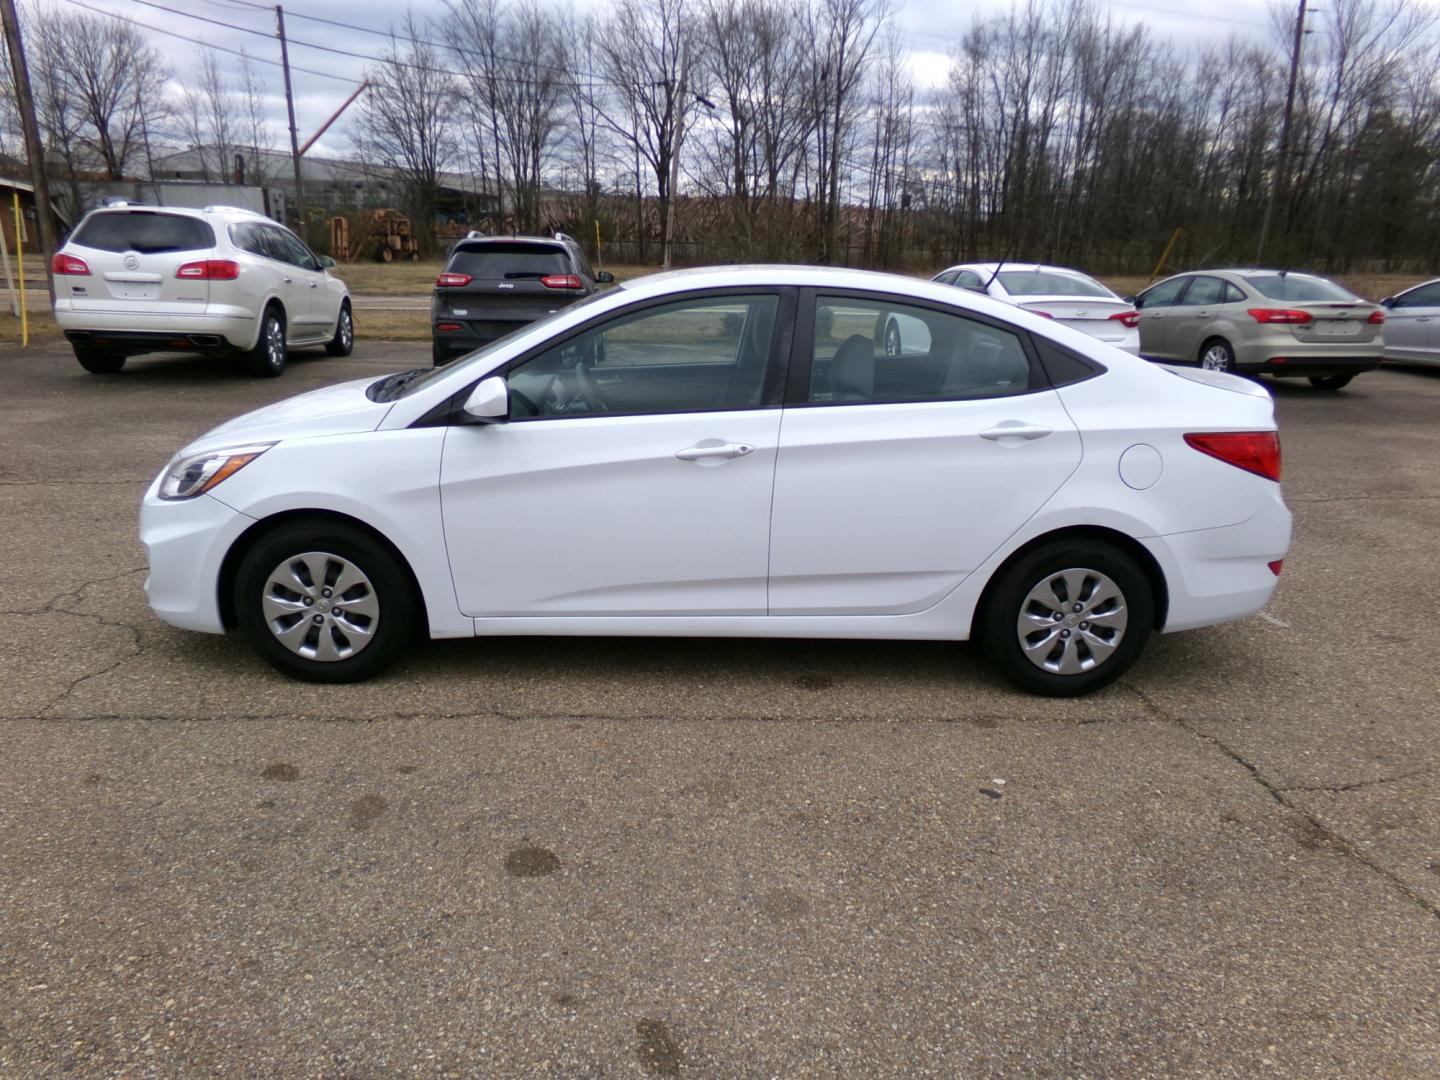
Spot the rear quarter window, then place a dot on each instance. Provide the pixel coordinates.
(512, 262)
(144, 232)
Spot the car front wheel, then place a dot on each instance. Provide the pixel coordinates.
(1068, 618)
(344, 340)
(324, 602)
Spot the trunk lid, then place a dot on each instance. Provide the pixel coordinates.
(1089, 315)
(1335, 320)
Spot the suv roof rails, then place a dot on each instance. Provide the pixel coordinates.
(216, 207)
(564, 236)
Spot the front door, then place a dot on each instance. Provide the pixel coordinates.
(1412, 325)
(898, 475)
(634, 477)
(1156, 306)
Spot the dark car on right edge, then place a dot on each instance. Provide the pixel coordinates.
(1271, 321)
(493, 285)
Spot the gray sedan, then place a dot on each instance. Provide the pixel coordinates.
(1270, 321)
(1412, 324)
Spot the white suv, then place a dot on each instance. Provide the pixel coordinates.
(138, 279)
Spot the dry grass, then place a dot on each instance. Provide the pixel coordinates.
(42, 328)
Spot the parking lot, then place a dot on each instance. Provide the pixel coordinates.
(549, 857)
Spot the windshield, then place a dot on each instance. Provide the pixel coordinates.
(1300, 287)
(390, 388)
(1049, 283)
(143, 231)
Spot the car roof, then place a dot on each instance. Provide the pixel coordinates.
(992, 267)
(208, 213)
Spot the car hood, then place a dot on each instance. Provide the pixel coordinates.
(333, 410)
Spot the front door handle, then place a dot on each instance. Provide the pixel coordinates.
(288, 280)
(314, 284)
(709, 449)
(1015, 430)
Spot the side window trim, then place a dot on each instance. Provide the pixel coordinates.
(797, 387)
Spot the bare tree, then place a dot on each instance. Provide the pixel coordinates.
(407, 122)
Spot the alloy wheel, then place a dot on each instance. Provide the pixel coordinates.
(1072, 621)
(1216, 358)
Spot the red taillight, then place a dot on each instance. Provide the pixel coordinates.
(448, 280)
(1127, 319)
(1276, 566)
(1256, 452)
(561, 281)
(1279, 315)
(209, 270)
(1376, 317)
(447, 326)
(69, 264)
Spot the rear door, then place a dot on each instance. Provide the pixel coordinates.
(133, 257)
(898, 475)
(509, 283)
(1412, 325)
(301, 278)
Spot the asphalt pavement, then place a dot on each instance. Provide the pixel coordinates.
(615, 858)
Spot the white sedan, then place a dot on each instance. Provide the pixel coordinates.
(1054, 292)
(732, 452)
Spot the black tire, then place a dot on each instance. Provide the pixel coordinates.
(1042, 568)
(1330, 382)
(397, 613)
(267, 359)
(1217, 354)
(893, 345)
(344, 340)
(99, 361)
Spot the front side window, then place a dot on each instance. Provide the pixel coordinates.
(291, 249)
(704, 355)
(1424, 296)
(875, 351)
(1163, 295)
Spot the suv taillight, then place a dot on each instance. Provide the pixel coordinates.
(69, 264)
(453, 280)
(1127, 319)
(1279, 315)
(562, 281)
(1256, 452)
(209, 270)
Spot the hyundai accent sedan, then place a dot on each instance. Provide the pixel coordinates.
(730, 452)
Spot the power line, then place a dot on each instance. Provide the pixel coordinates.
(207, 45)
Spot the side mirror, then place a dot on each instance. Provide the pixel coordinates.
(326, 261)
(1388, 302)
(605, 277)
(489, 402)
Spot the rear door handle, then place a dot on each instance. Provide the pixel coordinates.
(1015, 430)
(314, 284)
(288, 280)
(714, 450)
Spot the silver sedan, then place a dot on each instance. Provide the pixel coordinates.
(1412, 324)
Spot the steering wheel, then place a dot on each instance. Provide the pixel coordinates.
(588, 389)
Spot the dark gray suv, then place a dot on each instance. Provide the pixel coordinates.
(493, 285)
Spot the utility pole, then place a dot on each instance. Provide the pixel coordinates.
(294, 137)
(679, 135)
(43, 210)
(1282, 162)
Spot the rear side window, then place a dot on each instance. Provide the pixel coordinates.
(1299, 287)
(509, 261)
(143, 231)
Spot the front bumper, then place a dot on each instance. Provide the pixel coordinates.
(185, 545)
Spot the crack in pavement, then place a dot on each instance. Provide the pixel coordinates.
(1335, 839)
(1337, 788)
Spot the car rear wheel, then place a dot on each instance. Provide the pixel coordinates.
(1068, 618)
(99, 361)
(324, 602)
(267, 359)
(1330, 382)
(344, 340)
(1217, 355)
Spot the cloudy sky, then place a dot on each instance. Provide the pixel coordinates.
(323, 79)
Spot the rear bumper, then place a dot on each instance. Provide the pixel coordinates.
(1218, 575)
(1279, 352)
(215, 327)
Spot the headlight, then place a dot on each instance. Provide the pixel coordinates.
(194, 475)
